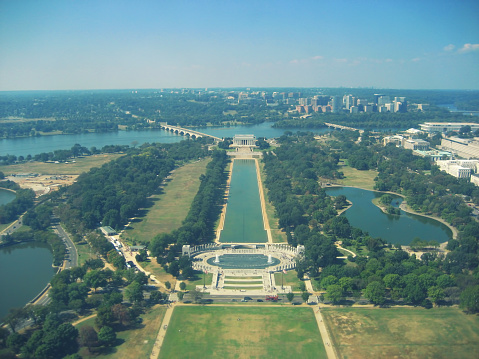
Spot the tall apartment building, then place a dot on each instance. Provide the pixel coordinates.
(336, 104)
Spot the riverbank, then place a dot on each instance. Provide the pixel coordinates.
(454, 230)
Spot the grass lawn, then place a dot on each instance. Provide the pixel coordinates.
(356, 178)
(158, 271)
(84, 253)
(290, 278)
(133, 343)
(260, 332)
(170, 207)
(239, 287)
(403, 332)
(199, 279)
(81, 165)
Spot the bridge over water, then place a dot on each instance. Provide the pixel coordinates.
(340, 127)
(187, 132)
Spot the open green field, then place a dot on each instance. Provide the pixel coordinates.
(169, 208)
(403, 332)
(290, 278)
(81, 165)
(84, 253)
(132, 343)
(199, 279)
(242, 332)
(356, 178)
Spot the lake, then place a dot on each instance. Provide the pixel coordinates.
(396, 229)
(25, 270)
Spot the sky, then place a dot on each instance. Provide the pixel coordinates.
(117, 44)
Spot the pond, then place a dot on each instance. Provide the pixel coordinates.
(396, 229)
(243, 261)
(29, 269)
(6, 196)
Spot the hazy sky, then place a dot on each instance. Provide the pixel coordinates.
(82, 44)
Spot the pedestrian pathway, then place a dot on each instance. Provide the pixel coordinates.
(162, 332)
(328, 345)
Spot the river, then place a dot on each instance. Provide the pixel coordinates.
(25, 270)
(24, 146)
(396, 229)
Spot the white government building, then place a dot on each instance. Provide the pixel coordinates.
(444, 127)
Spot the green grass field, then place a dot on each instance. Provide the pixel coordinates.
(132, 343)
(290, 278)
(242, 332)
(81, 165)
(356, 178)
(169, 208)
(84, 252)
(403, 332)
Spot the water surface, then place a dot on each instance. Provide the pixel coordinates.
(25, 269)
(6, 196)
(396, 229)
(244, 219)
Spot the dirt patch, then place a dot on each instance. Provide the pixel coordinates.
(43, 184)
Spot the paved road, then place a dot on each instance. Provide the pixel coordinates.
(72, 254)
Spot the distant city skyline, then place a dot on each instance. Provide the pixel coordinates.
(68, 45)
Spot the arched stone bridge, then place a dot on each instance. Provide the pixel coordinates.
(340, 127)
(187, 132)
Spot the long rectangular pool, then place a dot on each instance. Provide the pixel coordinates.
(244, 218)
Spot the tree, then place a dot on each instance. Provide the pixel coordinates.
(14, 317)
(107, 336)
(196, 295)
(375, 292)
(134, 292)
(305, 296)
(15, 341)
(334, 293)
(302, 286)
(180, 296)
(329, 280)
(290, 296)
(156, 296)
(182, 285)
(168, 285)
(470, 299)
(95, 279)
(346, 283)
(436, 294)
(88, 337)
(122, 314)
(104, 316)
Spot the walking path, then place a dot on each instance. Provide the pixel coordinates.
(221, 223)
(162, 332)
(263, 204)
(328, 345)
